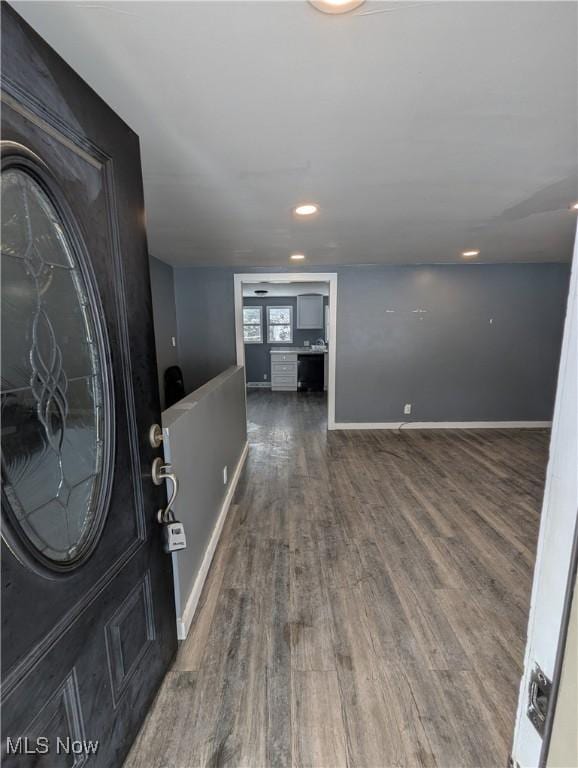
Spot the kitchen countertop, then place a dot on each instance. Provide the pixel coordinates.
(298, 350)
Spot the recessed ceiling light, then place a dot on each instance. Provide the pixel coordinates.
(306, 209)
(574, 207)
(336, 6)
(470, 254)
(297, 256)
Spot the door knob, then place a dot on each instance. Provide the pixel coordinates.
(160, 472)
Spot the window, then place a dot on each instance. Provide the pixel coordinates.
(56, 431)
(253, 325)
(280, 325)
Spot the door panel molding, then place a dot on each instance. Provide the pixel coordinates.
(67, 699)
(124, 338)
(34, 110)
(120, 666)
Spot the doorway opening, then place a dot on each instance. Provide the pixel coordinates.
(285, 330)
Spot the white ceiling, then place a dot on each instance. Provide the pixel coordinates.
(421, 128)
(285, 289)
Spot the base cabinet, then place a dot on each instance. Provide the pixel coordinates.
(283, 371)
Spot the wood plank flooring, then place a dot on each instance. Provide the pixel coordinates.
(367, 603)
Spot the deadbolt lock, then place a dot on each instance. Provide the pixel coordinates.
(155, 436)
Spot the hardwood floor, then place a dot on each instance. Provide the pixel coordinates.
(367, 603)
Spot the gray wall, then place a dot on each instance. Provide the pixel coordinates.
(165, 318)
(449, 361)
(206, 322)
(207, 431)
(257, 357)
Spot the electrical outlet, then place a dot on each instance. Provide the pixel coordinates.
(407, 409)
(265, 376)
(224, 475)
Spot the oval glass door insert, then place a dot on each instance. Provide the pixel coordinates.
(55, 406)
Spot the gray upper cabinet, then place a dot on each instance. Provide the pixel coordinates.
(309, 312)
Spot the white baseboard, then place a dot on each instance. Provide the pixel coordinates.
(258, 385)
(443, 425)
(184, 622)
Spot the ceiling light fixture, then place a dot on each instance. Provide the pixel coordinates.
(306, 209)
(336, 6)
(574, 206)
(470, 254)
(297, 256)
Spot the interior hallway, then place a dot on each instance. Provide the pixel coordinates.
(367, 603)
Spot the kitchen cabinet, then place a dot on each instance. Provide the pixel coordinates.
(310, 312)
(289, 368)
(283, 371)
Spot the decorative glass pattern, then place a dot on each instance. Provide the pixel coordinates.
(52, 383)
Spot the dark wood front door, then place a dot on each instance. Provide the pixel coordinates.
(88, 624)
